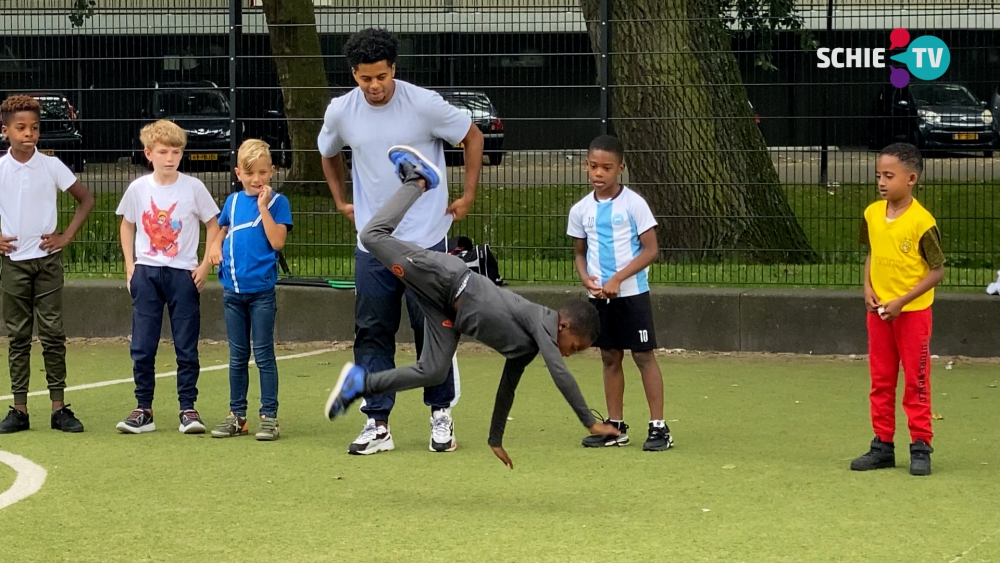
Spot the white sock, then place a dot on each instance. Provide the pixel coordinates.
(658, 423)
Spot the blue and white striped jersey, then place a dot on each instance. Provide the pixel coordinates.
(611, 229)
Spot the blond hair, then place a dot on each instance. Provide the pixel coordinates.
(250, 152)
(164, 132)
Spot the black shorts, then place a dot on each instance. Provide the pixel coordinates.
(626, 323)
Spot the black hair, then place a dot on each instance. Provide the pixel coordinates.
(609, 144)
(370, 46)
(583, 319)
(908, 154)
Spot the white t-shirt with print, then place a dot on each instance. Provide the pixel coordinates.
(414, 116)
(167, 220)
(29, 201)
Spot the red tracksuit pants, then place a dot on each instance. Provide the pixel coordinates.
(904, 340)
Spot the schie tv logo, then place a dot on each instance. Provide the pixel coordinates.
(927, 57)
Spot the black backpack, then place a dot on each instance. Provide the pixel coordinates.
(479, 258)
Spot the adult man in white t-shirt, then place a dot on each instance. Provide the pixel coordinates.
(379, 113)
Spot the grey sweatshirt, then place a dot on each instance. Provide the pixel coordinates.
(519, 330)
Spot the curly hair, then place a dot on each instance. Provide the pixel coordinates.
(907, 154)
(19, 103)
(370, 46)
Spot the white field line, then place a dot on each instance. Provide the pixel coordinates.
(30, 477)
(167, 374)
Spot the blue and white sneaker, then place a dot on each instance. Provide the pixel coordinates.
(402, 155)
(350, 385)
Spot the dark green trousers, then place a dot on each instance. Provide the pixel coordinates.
(30, 292)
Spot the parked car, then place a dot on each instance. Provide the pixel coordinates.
(273, 128)
(932, 116)
(477, 105)
(202, 110)
(58, 132)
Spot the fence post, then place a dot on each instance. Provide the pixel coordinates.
(235, 42)
(824, 157)
(605, 65)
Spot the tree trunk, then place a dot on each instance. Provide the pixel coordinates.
(295, 47)
(694, 151)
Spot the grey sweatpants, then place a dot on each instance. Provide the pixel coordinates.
(434, 278)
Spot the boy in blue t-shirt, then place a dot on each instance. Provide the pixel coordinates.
(254, 225)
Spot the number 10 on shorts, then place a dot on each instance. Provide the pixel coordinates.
(643, 336)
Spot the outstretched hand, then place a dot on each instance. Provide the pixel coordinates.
(502, 455)
(604, 429)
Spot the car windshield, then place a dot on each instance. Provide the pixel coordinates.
(943, 95)
(53, 107)
(190, 102)
(470, 101)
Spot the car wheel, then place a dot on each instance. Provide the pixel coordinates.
(78, 163)
(496, 158)
(988, 154)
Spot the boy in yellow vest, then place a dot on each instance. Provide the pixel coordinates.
(904, 264)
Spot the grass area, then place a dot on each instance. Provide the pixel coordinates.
(7, 477)
(759, 473)
(527, 226)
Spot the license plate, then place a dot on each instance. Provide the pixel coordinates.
(49, 152)
(203, 156)
(965, 136)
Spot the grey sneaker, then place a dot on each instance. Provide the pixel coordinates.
(268, 431)
(233, 426)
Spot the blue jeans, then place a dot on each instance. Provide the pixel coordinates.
(153, 287)
(251, 315)
(377, 314)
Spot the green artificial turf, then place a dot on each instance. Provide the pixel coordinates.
(759, 472)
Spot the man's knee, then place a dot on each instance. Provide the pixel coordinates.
(436, 371)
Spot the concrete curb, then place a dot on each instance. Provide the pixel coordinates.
(709, 319)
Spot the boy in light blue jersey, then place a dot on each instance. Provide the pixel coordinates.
(614, 243)
(255, 223)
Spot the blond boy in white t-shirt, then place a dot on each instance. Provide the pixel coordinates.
(159, 236)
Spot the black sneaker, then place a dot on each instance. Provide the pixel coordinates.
(64, 419)
(659, 439)
(920, 458)
(607, 440)
(140, 421)
(191, 422)
(15, 421)
(882, 455)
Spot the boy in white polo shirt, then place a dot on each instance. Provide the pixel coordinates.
(31, 274)
(161, 265)
(614, 243)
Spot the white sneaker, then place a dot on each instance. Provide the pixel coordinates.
(373, 439)
(442, 431)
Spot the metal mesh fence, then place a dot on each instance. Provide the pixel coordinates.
(551, 86)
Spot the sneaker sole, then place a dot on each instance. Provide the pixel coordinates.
(875, 467)
(383, 446)
(68, 430)
(617, 443)
(442, 447)
(266, 437)
(192, 428)
(126, 429)
(217, 434)
(418, 154)
(16, 430)
(337, 387)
